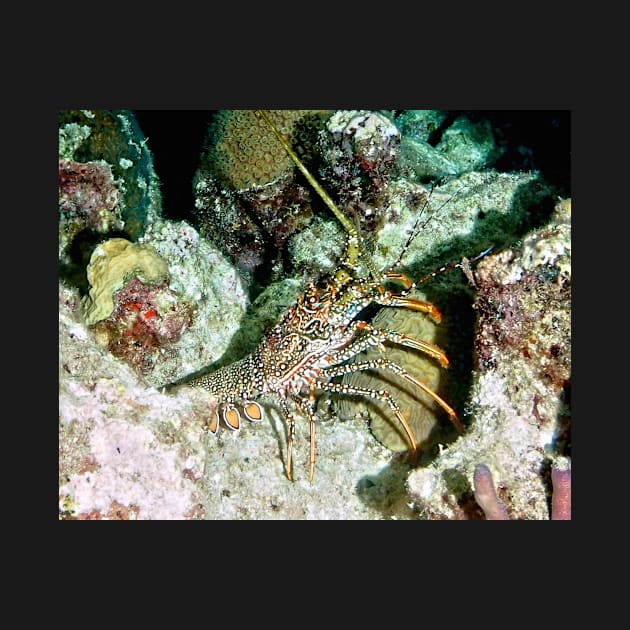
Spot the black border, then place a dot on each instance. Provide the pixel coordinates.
(512, 70)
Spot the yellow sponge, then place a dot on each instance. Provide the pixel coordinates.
(111, 265)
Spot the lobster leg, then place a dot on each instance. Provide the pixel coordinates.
(412, 342)
(306, 405)
(403, 300)
(382, 362)
(415, 305)
(377, 336)
(382, 395)
(290, 437)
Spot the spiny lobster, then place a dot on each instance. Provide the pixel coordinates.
(316, 340)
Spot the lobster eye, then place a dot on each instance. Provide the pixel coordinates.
(312, 326)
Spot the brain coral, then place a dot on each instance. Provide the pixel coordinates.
(243, 152)
(249, 198)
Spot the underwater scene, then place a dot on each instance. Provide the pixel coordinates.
(314, 314)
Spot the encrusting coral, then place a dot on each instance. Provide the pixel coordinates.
(89, 199)
(243, 153)
(247, 198)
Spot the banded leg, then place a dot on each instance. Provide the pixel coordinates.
(414, 304)
(382, 362)
(290, 437)
(382, 395)
(306, 406)
(377, 336)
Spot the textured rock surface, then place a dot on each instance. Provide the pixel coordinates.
(520, 418)
(126, 451)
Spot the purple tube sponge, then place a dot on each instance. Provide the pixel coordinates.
(486, 494)
(561, 499)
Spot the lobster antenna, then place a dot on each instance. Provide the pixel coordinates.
(354, 245)
(464, 264)
(418, 228)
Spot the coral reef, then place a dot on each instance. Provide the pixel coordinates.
(146, 321)
(494, 509)
(315, 250)
(438, 144)
(523, 306)
(359, 153)
(243, 153)
(117, 455)
(129, 451)
(247, 198)
(202, 277)
(130, 308)
(167, 305)
(148, 301)
(251, 202)
(114, 138)
(107, 186)
(518, 407)
(451, 225)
